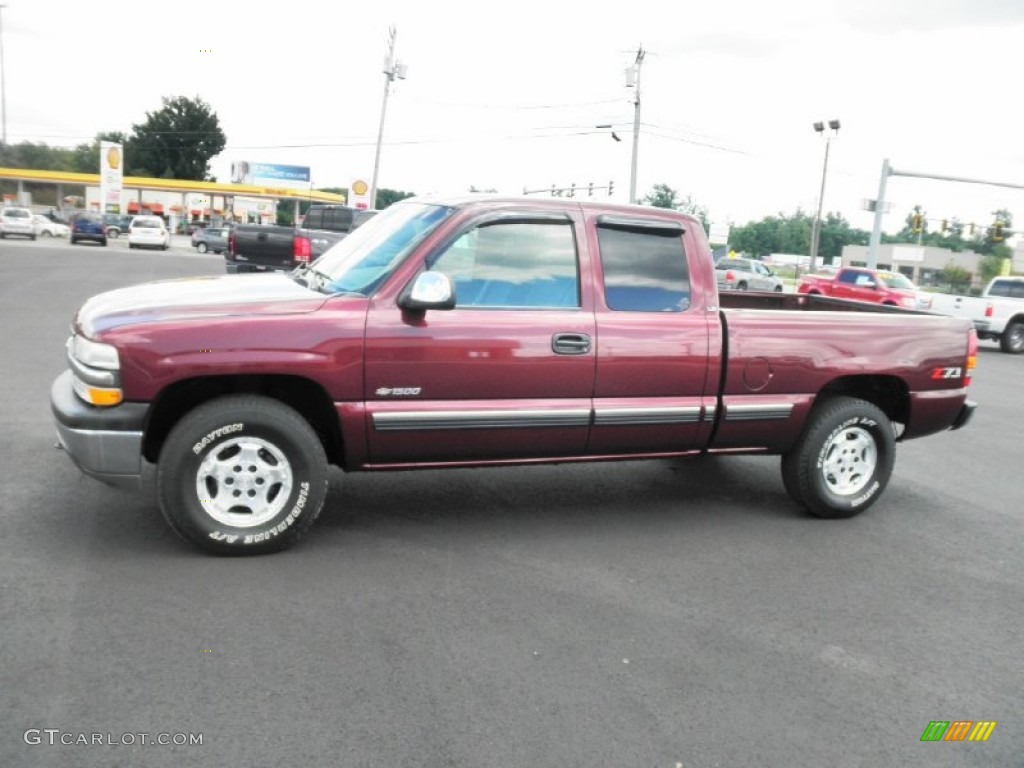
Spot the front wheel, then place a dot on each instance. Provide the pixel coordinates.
(1012, 340)
(242, 475)
(843, 460)
(201, 248)
(778, 289)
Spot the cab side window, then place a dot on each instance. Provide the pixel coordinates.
(517, 264)
(644, 270)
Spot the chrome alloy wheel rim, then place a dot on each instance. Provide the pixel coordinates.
(849, 461)
(244, 482)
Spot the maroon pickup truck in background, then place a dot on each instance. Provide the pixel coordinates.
(863, 284)
(486, 331)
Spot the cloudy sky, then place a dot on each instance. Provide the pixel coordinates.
(508, 95)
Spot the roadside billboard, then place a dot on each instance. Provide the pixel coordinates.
(270, 175)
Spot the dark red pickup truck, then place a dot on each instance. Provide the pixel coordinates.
(485, 331)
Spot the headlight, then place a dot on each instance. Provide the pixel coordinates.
(94, 369)
(94, 354)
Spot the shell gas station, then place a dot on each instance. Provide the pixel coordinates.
(179, 201)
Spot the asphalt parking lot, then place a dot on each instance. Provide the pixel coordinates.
(652, 613)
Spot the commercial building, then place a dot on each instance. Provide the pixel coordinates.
(923, 264)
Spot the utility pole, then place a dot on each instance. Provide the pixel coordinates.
(633, 81)
(3, 81)
(392, 69)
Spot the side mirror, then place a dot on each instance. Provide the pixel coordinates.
(430, 290)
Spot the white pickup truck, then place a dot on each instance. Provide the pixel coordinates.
(997, 314)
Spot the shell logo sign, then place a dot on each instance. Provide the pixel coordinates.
(359, 194)
(114, 158)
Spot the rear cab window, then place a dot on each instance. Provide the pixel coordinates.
(1013, 289)
(644, 265)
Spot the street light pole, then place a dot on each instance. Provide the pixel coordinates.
(392, 69)
(816, 232)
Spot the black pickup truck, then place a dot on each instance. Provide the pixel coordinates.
(261, 247)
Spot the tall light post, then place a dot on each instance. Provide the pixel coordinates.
(816, 232)
(392, 69)
(3, 81)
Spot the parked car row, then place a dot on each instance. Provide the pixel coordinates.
(143, 231)
(147, 231)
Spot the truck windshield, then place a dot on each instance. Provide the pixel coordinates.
(896, 280)
(360, 262)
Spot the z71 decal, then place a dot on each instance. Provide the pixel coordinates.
(947, 373)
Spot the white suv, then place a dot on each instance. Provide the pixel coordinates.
(17, 221)
(148, 232)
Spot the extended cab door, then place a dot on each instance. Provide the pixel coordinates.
(509, 372)
(654, 330)
(855, 284)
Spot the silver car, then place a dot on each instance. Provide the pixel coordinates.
(745, 275)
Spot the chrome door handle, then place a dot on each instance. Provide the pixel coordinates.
(570, 343)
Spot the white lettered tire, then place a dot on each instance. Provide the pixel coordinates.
(844, 459)
(242, 475)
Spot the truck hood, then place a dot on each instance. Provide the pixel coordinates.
(196, 298)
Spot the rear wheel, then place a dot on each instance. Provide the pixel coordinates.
(242, 475)
(1012, 340)
(741, 287)
(843, 460)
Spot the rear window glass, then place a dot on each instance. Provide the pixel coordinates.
(644, 270)
(16, 213)
(1013, 289)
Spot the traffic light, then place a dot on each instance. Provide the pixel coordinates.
(918, 222)
(610, 185)
(997, 232)
(945, 226)
(972, 230)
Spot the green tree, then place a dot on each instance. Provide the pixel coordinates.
(386, 197)
(664, 196)
(176, 141)
(957, 278)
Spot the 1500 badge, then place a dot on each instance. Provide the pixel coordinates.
(398, 391)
